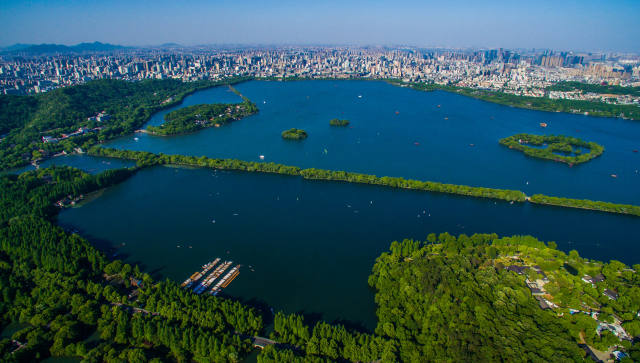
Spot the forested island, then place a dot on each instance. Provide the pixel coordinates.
(144, 158)
(194, 118)
(338, 122)
(465, 298)
(590, 108)
(558, 148)
(42, 125)
(294, 134)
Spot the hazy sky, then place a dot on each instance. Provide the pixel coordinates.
(612, 25)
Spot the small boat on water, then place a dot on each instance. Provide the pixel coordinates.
(446, 118)
(543, 124)
(472, 145)
(135, 139)
(261, 157)
(438, 106)
(614, 175)
(359, 96)
(635, 150)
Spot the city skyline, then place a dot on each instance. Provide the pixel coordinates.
(568, 25)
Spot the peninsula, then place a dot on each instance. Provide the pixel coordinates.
(197, 117)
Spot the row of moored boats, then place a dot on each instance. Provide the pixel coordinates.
(202, 280)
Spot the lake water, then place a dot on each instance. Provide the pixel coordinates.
(89, 164)
(398, 131)
(312, 244)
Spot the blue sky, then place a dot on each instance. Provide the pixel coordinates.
(611, 25)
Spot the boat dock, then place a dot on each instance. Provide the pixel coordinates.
(198, 275)
(226, 280)
(204, 285)
(200, 281)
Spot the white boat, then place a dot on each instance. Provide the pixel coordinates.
(135, 139)
(261, 157)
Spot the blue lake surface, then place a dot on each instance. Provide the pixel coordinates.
(398, 131)
(312, 244)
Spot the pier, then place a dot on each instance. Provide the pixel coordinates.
(198, 275)
(204, 285)
(226, 280)
(205, 281)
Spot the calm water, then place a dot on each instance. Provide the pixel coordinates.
(312, 244)
(92, 165)
(402, 132)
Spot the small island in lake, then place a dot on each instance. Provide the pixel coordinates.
(196, 117)
(558, 148)
(338, 122)
(294, 134)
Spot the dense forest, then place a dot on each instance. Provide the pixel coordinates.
(458, 299)
(24, 120)
(294, 134)
(144, 158)
(595, 88)
(64, 298)
(196, 117)
(534, 103)
(558, 148)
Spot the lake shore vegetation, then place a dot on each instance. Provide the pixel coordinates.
(590, 108)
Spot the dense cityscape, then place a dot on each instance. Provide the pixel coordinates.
(525, 72)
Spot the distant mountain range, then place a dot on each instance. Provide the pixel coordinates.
(36, 49)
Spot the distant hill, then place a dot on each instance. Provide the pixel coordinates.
(170, 45)
(17, 46)
(36, 49)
